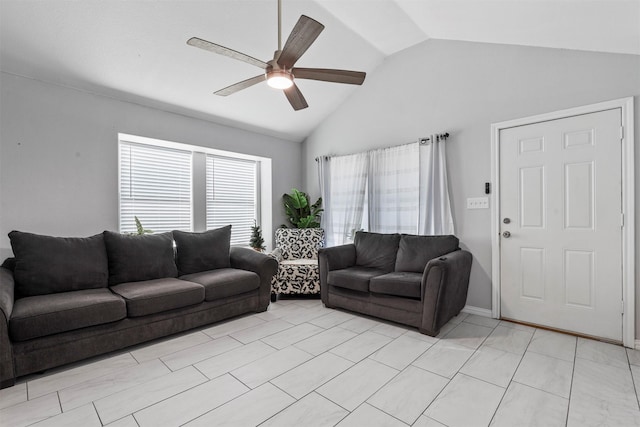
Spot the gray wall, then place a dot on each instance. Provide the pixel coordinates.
(59, 156)
(462, 88)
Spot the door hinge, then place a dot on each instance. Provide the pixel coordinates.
(621, 133)
(622, 220)
(622, 310)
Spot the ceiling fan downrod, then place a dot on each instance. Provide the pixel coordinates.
(279, 25)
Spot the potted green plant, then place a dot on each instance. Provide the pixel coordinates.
(139, 228)
(299, 210)
(256, 242)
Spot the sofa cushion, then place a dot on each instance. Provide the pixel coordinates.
(401, 284)
(196, 252)
(356, 278)
(224, 282)
(133, 258)
(297, 276)
(42, 315)
(376, 250)
(46, 265)
(155, 296)
(416, 251)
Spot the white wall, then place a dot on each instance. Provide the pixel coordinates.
(461, 88)
(59, 164)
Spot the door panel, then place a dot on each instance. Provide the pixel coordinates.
(532, 280)
(560, 188)
(578, 195)
(532, 197)
(578, 277)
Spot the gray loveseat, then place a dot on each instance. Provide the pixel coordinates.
(420, 281)
(66, 299)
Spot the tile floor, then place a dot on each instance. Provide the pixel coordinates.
(300, 364)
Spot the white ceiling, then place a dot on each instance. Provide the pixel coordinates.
(136, 49)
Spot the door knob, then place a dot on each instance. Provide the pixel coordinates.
(506, 234)
(506, 220)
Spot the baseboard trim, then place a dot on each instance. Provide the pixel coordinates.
(484, 312)
(637, 345)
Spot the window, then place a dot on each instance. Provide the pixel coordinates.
(231, 196)
(172, 186)
(401, 189)
(155, 186)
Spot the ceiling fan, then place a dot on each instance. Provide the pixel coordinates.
(279, 72)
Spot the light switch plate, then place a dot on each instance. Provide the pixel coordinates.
(478, 203)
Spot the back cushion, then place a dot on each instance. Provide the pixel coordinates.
(299, 243)
(376, 250)
(416, 251)
(196, 252)
(133, 258)
(47, 265)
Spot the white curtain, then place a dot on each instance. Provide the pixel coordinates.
(324, 178)
(394, 187)
(343, 181)
(435, 206)
(400, 189)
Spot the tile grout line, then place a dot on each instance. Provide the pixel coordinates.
(633, 380)
(166, 398)
(400, 373)
(93, 404)
(161, 341)
(382, 410)
(573, 370)
(448, 379)
(59, 402)
(511, 381)
(296, 342)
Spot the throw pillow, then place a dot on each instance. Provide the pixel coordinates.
(376, 250)
(416, 251)
(46, 265)
(134, 258)
(204, 251)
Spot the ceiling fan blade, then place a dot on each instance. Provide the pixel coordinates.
(329, 75)
(303, 34)
(295, 98)
(229, 90)
(221, 50)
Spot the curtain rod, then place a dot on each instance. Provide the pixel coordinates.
(438, 137)
(421, 141)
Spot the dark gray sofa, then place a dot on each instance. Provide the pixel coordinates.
(419, 281)
(67, 299)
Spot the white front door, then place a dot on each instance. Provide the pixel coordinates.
(560, 224)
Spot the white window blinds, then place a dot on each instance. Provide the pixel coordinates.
(232, 196)
(155, 186)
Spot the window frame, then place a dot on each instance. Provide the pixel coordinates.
(198, 176)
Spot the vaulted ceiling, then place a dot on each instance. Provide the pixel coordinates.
(136, 49)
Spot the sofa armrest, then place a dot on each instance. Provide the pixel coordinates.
(277, 254)
(7, 287)
(445, 283)
(334, 258)
(263, 265)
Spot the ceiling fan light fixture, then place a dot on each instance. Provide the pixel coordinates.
(280, 79)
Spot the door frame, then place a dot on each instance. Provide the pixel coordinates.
(628, 203)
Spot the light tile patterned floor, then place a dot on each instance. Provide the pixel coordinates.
(300, 364)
